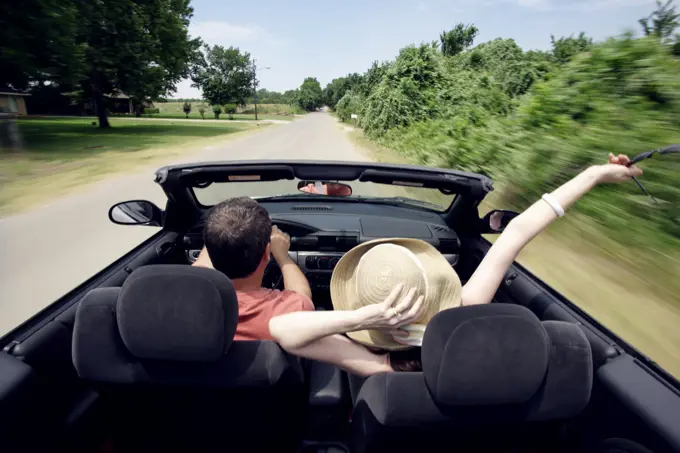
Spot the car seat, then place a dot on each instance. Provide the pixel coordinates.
(160, 351)
(493, 377)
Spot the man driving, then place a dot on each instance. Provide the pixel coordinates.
(239, 239)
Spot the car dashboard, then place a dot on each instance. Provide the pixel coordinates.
(322, 233)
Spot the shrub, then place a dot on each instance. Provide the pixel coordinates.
(230, 109)
(217, 110)
(347, 105)
(296, 110)
(407, 91)
(622, 96)
(187, 108)
(201, 111)
(151, 111)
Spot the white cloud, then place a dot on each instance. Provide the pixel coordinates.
(224, 33)
(533, 3)
(570, 5)
(423, 7)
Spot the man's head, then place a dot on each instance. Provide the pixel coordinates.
(237, 234)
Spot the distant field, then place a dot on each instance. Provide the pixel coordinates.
(264, 111)
(62, 153)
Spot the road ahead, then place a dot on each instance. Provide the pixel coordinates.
(49, 250)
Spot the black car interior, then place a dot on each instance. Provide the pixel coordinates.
(124, 364)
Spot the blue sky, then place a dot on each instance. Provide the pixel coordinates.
(328, 39)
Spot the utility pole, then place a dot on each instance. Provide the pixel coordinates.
(255, 84)
(255, 87)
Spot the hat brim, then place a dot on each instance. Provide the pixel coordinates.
(443, 281)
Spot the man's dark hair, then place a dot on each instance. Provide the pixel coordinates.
(236, 234)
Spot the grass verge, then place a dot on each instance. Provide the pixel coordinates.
(60, 154)
(598, 273)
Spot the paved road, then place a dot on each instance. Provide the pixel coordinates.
(52, 248)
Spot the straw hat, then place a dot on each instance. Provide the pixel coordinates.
(368, 273)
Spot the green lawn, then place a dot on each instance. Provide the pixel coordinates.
(62, 153)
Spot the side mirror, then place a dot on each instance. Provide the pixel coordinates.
(496, 221)
(333, 189)
(136, 212)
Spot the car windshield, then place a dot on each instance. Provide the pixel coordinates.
(424, 197)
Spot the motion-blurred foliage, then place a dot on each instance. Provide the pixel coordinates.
(531, 120)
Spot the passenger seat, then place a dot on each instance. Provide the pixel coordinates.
(494, 378)
(160, 350)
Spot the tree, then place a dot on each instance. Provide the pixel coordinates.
(230, 109)
(565, 48)
(662, 22)
(201, 111)
(217, 110)
(38, 41)
(289, 96)
(224, 75)
(187, 108)
(309, 96)
(141, 48)
(371, 78)
(337, 88)
(457, 40)
(97, 48)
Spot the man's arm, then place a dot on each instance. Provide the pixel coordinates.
(486, 279)
(293, 278)
(203, 259)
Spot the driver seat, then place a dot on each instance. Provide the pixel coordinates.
(160, 351)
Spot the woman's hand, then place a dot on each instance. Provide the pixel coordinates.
(617, 170)
(393, 313)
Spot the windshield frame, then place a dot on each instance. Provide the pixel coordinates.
(396, 200)
(177, 181)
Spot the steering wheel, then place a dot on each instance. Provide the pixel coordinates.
(272, 278)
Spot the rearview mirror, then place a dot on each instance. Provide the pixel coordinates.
(136, 212)
(496, 221)
(333, 189)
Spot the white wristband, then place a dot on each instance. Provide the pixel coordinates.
(553, 204)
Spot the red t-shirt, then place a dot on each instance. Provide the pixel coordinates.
(256, 308)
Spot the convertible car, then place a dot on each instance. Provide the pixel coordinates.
(117, 365)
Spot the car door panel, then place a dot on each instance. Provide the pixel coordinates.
(18, 386)
(15, 378)
(630, 400)
(637, 404)
(521, 287)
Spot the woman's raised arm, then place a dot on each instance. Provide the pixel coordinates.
(486, 279)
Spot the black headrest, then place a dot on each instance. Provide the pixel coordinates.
(177, 312)
(484, 355)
